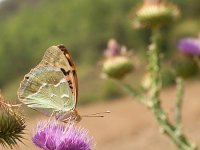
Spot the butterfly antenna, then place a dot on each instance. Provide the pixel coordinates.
(96, 114)
(92, 116)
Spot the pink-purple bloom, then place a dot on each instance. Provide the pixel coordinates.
(56, 136)
(190, 46)
(113, 48)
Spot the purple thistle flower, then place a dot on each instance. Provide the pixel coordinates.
(56, 136)
(113, 49)
(189, 46)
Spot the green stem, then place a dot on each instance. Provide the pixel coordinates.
(179, 100)
(154, 101)
(170, 130)
(133, 92)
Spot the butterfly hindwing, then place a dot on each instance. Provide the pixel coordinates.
(46, 87)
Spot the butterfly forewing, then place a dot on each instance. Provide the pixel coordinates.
(59, 57)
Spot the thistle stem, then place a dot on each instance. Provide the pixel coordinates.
(154, 101)
(179, 100)
(133, 92)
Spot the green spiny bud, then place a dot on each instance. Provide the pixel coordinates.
(185, 67)
(12, 125)
(153, 13)
(117, 67)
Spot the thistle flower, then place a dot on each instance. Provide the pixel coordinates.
(190, 46)
(56, 136)
(117, 63)
(113, 49)
(12, 125)
(155, 13)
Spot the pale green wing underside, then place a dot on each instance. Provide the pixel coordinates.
(46, 87)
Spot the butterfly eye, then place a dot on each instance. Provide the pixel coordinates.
(27, 77)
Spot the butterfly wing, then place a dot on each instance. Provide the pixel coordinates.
(46, 88)
(59, 57)
(53, 84)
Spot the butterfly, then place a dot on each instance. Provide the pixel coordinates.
(52, 86)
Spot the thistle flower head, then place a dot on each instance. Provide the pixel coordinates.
(155, 13)
(117, 67)
(190, 46)
(12, 125)
(56, 136)
(117, 62)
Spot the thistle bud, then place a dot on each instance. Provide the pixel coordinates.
(117, 67)
(12, 125)
(117, 63)
(153, 13)
(185, 67)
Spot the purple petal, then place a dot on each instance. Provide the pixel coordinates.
(73, 144)
(56, 136)
(51, 143)
(189, 46)
(39, 139)
(113, 48)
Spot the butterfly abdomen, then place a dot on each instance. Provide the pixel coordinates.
(67, 117)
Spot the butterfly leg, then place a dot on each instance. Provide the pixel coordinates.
(16, 105)
(52, 114)
(67, 120)
(13, 106)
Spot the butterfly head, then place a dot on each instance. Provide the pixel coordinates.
(69, 116)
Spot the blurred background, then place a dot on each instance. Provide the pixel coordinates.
(29, 27)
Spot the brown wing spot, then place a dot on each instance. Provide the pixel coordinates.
(65, 72)
(68, 78)
(70, 83)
